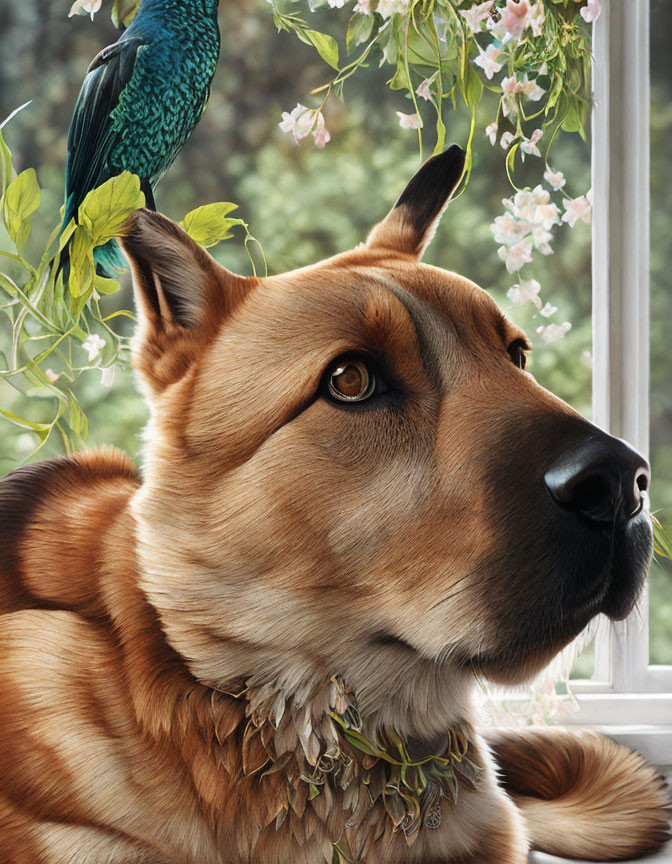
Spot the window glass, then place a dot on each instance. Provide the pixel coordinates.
(661, 321)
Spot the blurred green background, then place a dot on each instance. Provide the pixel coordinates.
(304, 204)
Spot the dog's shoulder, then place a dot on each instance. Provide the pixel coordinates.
(53, 516)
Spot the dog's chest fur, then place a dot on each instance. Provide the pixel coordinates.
(117, 732)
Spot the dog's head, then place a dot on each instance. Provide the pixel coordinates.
(350, 470)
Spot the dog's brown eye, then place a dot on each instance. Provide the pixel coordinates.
(351, 381)
(517, 353)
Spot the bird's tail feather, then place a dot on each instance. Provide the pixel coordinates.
(583, 795)
(109, 259)
(64, 264)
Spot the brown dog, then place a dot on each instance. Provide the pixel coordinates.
(263, 653)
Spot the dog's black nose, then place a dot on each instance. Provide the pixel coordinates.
(604, 479)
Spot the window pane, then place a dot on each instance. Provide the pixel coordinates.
(661, 319)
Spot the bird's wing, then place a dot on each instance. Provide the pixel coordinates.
(91, 134)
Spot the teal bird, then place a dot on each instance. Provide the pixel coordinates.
(140, 101)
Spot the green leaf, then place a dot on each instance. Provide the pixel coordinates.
(77, 304)
(68, 231)
(440, 135)
(105, 286)
(510, 161)
(400, 80)
(338, 856)
(661, 540)
(420, 53)
(77, 420)
(123, 12)
(326, 46)
(105, 210)
(82, 268)
(359, 30)
(21, 199)
(5, 165)
(472, 86)
(40, 428)
(554, 94)
(572, 119)
(207, 225)
(14, 113)
(7, 285)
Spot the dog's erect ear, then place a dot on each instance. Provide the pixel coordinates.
(182, 295)
(177, 283)
(411, 223)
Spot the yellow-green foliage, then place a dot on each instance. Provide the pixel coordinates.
(52, 322)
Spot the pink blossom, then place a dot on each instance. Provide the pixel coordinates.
(509, 106)
(336, 4)
(476, 14)
(388, 8)
(536, 18)
(547, 215)
(298, 122)
(530, 89)
(497, 28)
(577, 209)
(507, 139)
(321, 136)
(491, 132)
(535, 206)
(510, 86)
(529, 145)
(363, 7)
(302, 121)
(510, 89)
(515, 256)
(591, 11)
(555, 179)
(423, 90)
(529, 217)
(548, 310)
(487, 60)
(553, 332)
(525, 291)
(85, 6)
(541, 237)
(514, 17)
(409, 121)
(508, 230)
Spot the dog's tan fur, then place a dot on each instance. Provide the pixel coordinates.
(273, 542)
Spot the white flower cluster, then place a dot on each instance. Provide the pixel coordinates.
(388, 8)
(303, 121)
(507, 26)
(516, 17)
(93, 345)
(526, 225)
(85, 7)
(511, 22)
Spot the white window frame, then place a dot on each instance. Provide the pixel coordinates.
(627, 697)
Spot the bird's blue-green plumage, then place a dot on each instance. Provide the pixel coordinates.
(140, 101)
